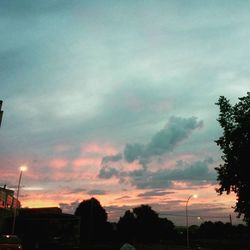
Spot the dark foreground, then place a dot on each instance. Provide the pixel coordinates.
(197, 245)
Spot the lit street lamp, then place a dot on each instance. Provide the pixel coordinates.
(23, 168)
(191, 196)
(200, 219)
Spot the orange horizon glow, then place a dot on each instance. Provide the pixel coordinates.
(207, 196)
(132, 202)
(72, 180)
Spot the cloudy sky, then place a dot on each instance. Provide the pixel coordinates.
(116, 100)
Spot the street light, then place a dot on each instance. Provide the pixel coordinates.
(191, 196)
(22, 169)
(200, 218)
(1, 112)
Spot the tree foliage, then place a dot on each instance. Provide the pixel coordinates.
(144, 225)
(93, 220)
(147, 223)
(127, 226)
(234, 173)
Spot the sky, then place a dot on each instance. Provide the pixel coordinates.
(116, 100)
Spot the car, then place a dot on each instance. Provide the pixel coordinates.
(10, 242)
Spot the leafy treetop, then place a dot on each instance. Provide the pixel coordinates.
(234, 173)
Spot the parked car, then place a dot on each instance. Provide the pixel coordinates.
(10, 242)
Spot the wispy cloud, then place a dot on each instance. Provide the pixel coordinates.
(154, 193)
(96, 192)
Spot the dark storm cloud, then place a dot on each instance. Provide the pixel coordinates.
(112, 158)
(145, 179)
(175, 131)
(133, 152)
(107, 173)
(164, 141)
(198, 173)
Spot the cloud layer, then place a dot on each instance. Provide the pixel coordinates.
(163, 142)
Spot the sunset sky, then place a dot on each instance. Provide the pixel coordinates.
(116, 100)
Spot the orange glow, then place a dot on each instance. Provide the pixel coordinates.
(66, 181)
(35, 203)
(125, 199)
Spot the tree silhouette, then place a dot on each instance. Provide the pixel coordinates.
(147, 225)
(126, 226)
(166, 230)
(216, 230)
(144, 225)
(93, 220)
(234, 173)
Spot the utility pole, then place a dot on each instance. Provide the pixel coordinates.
(1, 112)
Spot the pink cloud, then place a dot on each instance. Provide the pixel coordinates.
(82, 172)
(58, 163)
(132, 166)
(99, 149)
(207, 200)
(81, 162)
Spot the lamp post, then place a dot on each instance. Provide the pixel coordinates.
(194, 196)
(1, 112)
(22, 169)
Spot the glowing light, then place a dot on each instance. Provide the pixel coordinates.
(23, 168)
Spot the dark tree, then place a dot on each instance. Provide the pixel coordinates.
(147, 223)
(167, 229)
(144, 225)
(93, 220)
(234, 173)
(216, 230)
(126, 226)
(207, 230)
